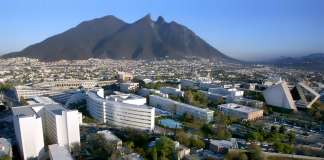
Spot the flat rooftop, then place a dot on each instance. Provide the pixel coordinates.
(59, 153)
(55, 108)
(238, 107)
(23, 111)
(109, 135)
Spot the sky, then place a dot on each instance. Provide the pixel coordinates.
(243, 29)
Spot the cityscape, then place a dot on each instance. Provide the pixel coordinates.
(155, 90)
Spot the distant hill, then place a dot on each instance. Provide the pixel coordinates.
(313, 62)
(110, 37)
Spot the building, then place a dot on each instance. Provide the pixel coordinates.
(68, 97)
(56, 87)
(222, 146)
(304, 96)
(5, 148)
(226, 93)
(322, 97)
(29, 132)
(57, 152)
(246, 102)
(124, 110)
(28, 91)
(187, 84)
(45, 121)
(279, 96)
(124, 76)
(128, 87)
(172, 91)
(144, 92)
(111, 138)
(180, 108)
(240, 111)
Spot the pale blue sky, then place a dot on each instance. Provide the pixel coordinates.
(244, 29)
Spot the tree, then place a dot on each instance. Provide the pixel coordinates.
(183, 138)
(188, 97)
(282, 129)
(235, 155)
(255, 152)
(196, 142)
(291, 137)
(99, 147)
(165, 148)
(154, 154)
(222, 132)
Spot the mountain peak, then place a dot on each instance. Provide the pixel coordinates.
(160, 20)
(146, 18)
(109, 37)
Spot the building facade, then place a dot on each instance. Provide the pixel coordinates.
(121, 110)
(180, 108)
(240, 111)
(45, 122)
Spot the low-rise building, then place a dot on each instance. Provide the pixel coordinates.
(172, 91)
(129, 87)
(111, 138)
(222, 146)
(240, 111)
(180, 109)
(57, 152)
(246, 102)
(124, 76)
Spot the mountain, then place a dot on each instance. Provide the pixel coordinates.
(312, 62)
(110, 37)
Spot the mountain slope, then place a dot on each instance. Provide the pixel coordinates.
(314, 62)
(109, 37)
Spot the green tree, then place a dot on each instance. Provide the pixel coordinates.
(154, 154)
(255, 152)
(196, 142)
(165, 148)
(183, 138)
(291, 137)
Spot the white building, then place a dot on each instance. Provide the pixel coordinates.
(128, 87)
(226, 93)
(279, 96)
(57, 152)
(45, 121)
(111, 138)
(29, 132)
(124, 76)
(180, 108)
(172, 91)
(125, 110)
(240, 111)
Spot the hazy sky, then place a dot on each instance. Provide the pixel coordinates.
(245, 29)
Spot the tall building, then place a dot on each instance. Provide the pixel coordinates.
(279, 96)
(45, 121)
(123, 110)
(301, 96)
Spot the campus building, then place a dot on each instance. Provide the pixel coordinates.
(240, 111)
(122, 110)
(45, 121)
(180, 108)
